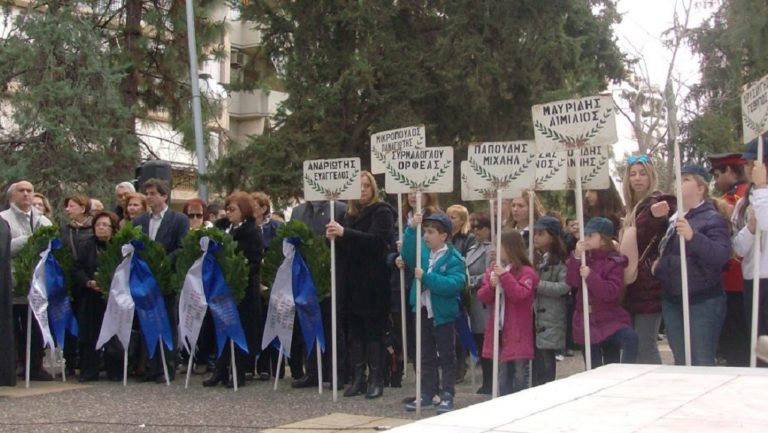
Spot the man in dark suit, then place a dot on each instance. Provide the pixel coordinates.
(168, 227)
(7, 357)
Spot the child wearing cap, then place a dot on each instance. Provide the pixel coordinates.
(604, 275)
(443, 276)
(707, 250)
(550, 307)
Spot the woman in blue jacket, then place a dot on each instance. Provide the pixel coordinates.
(708, 249)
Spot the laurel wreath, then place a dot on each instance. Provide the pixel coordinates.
(588, 178)
(29, 256)
(542, 180)
(153, 253)
(487, 194)
(313, 248)
(328, 193)
(233, 264)
(751, 124)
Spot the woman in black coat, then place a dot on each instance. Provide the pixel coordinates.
(91, 303)
(363, 275)
(241, 224)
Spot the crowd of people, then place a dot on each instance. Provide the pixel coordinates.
(632, 273)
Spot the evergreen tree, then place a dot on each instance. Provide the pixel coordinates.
(468, 69)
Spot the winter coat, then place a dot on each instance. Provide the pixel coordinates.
(477, 262)
(7, 357)
(20, 226)
(74, 237)
(744, 240)
(707, 254)
(463, 242)
(605, 284)
(445, 281)
(361, 260)
(90, 303)
(516, 341)
(550, 307)
(643, 296)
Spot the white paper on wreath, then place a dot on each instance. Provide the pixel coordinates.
(386, 142)
(475, 188)
(572, 123)
(118, 318)
(754, 109)
(553, 175)
(192, 301)
(427, 170)
(506, 165)
(332, 179)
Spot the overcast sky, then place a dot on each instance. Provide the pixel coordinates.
(640, 35)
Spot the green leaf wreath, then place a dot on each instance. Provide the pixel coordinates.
(24, 263)
(314, 250)
(234, 265)
(153, 253)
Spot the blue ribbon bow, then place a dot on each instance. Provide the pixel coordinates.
(226, 319)
(150, 306)
(60, 314)
(305, 299)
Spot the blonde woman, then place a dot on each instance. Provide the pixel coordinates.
(461, 236)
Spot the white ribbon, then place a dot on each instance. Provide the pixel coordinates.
(118, 318)
(192, 302)
(38, 298)
(282, 308)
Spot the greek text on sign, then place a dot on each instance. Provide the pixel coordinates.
(754, 109)
(385, 142)
(504, 165)
(427, 170)
(554, 174)
(574, 123)
(475, 187)
(332, 179)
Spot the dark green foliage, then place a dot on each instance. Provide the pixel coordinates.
(468, 69)
(153, 253)
(314, 250)
(29, 256)
(234, 265)
(733, 50)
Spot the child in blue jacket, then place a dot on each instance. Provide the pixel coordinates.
(443, 276)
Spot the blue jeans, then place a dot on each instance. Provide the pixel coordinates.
(513, 376)
(625, 338)
(707, 319)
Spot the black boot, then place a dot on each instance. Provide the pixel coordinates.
(358, 385)
(375, 364)
(487, 367)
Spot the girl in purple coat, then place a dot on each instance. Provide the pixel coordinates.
(518, 280)
(604, 275)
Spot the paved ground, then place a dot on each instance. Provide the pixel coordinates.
(108, 407)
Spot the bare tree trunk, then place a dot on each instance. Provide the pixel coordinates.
(130, 84)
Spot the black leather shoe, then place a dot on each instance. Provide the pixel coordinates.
(216, 378)
(161, 378)
(374, 390)
(240, 382)
(40, 375)
(304, 382)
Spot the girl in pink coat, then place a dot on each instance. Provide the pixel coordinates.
(518, 280)
(604, 273)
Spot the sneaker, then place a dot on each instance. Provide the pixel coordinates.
(426, 403)
(559, 357)
(446, 404)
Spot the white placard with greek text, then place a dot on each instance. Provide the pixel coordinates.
(385, 142)
(552, 174)
(475, 188)
(332, 179)
(754, 109)
(568, 124)
(504, 165)
(427, 170)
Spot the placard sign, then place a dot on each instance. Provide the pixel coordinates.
(427, 170)
(474, 187)
(564, 125)
(552, 174)
(504, 165)
(332, 179)
(754, 109)
(386, 142)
